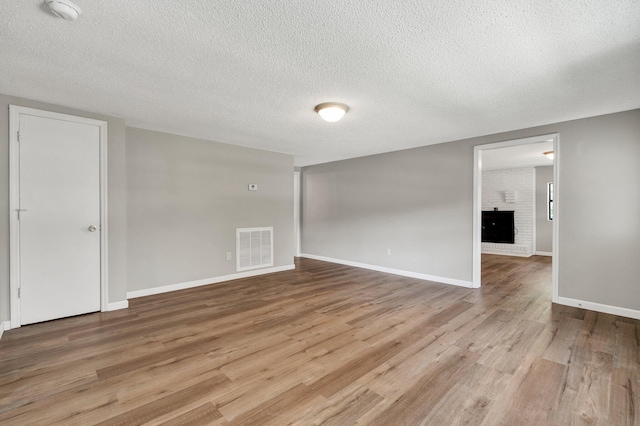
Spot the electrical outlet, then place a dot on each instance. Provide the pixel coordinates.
(228, 255)
(388, 252)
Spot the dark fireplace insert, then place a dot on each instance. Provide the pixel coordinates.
(498, 227)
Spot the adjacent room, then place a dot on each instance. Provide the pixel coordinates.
(305, 213)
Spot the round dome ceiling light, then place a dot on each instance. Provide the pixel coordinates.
(331, 111)
(64, 9)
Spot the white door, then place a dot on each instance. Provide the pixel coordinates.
(59, 218)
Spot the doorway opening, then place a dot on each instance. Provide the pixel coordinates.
(519, 155)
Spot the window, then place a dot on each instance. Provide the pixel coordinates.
(550, 201)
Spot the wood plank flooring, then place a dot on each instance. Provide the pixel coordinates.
(333, 345)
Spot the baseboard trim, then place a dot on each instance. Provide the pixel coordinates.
(4, 325)
(114, 306)
(599, 307)
(544, 253)
(206, 281)
(500, 253)
(410, 274)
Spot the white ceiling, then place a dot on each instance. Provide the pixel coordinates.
(513, 157)
(250, 72)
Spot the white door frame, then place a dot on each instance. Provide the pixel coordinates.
(477, 204)
(296, 213)
(14, 202)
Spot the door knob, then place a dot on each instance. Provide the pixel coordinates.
(93, 228)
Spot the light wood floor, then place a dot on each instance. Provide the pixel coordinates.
(335, 345)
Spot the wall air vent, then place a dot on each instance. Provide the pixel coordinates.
(254, 248)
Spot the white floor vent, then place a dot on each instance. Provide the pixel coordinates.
(254, 248)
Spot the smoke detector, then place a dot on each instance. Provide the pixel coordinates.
(64, 9)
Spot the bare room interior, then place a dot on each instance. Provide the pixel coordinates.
(336, 213)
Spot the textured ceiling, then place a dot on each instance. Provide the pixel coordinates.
(250, 72)
(513, 157)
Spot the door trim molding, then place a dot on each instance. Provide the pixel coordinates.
(297, 208)
(14, 198)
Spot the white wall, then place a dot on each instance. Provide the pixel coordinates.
(494, 185)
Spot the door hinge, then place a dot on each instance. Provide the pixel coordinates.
(20, 210)
(19, 292)
(18, 136)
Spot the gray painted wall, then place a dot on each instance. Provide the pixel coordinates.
(418, 202)
(415, 202)
(599, 168)
(186, 197)
(116, 193)
(544, 227)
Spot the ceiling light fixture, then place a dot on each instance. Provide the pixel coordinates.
(549, 154)
(64, 9)
(331, 111)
